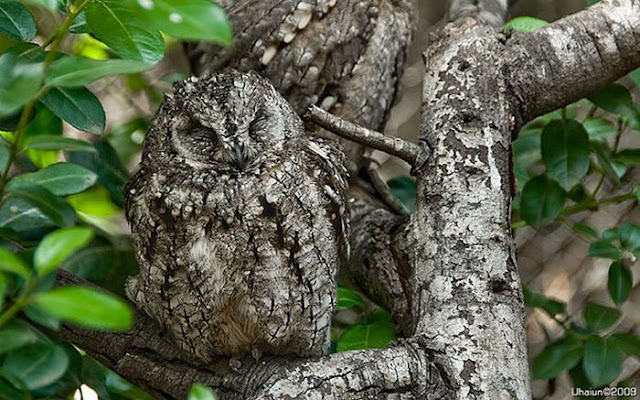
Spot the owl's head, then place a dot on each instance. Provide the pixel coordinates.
(230, 118)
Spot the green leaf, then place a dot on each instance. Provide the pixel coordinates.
(56, 209)
(628, 157)
(15, 334)
(605, 249)
(78, 106)
(52, 5)
(185, 19)
(10, 262)
(565, 151)
(377, 333)
(533, 299)
(404, 189)
(585, 230)
(21, 218)
(40, 317)
(347, 299)
(635, 76)
(600, 128)
(37, 365)
(620, 282)
(105, 162)
(60, 179)
(628, 343)
(20, 82)
(58, 245)
(124, 33)
(615, 98)
(74, 71)
(51, 142)
(605, 159)
(87, 307)
(525, 24)
(526, 150)
(542, 200)
(16, 21)
(602, 361)
(200, 392)
(629, 235)
(557, 357)
(599, 317)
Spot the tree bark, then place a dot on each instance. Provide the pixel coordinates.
(450, 270)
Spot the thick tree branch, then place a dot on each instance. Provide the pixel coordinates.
(573, 57)
(467, 301)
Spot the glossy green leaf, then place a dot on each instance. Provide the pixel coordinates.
(404, 189)
(37, 365)
(614, 98)
(542, 200)
(79, 24)
(565, 151)
(56, 209)
(105, 162)
(185, 19)
(87, 307)
(347, 298)
(378, 332)
(16, 21)
(60, 179)
(605, 159)
(15, 334)
(635, 76)
(78, 106)
(10, 262)
(525, 24)
(629, 235)
(620, 282)
(628, 343)
(51, 142)
(604, 249)
(628, 157)
(599, 317)
(58, 245)
(74, 71)
(41, 317)
(20, 217)
(120, 29)
(602, 361)
(526, 150)
(586, 230)
(600, 128)
(52, 5)
(533, 299)
(557, 357)
(200, 392)
(20, 82)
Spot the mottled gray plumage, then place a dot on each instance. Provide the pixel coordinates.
(239, 221)
(346, 56)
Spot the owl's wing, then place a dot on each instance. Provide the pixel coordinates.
(343, 54)
(328, 163)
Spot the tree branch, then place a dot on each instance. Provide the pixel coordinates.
(573, 57)
(407, 151)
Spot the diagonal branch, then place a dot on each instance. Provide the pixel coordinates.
(409, 152)
(573, 57)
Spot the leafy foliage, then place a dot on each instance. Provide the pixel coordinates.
(63, 214)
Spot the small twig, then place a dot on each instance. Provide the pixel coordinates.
(409, 152)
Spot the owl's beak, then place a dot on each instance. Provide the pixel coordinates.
(240, 159)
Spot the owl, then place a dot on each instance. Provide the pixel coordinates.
(345, 56)
(239, 221)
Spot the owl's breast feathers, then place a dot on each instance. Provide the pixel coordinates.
(231, 261)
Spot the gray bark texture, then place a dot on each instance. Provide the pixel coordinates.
(448, 271)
